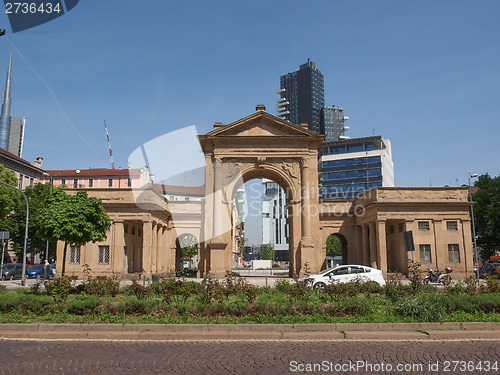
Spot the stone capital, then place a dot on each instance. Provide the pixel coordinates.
(304, 163)
(306, 241)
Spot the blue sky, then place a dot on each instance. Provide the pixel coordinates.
(425, 74)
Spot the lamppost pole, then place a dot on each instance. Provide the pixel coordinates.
(473, 175)
(23, 278)
(47, 245)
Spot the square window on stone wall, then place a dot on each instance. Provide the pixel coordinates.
(74, 255)
(425, 253)
(133, 231)
(103, 255)
(452, 225)
(454, 253)
(423, 225)
(391, 229)
(400, 227)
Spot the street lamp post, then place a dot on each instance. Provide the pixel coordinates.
(473, 175)
(47, 245)
(23, 278)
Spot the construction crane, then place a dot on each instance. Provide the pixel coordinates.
(109, 145)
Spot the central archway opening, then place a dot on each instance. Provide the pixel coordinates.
(336, 250)
(186, 252)
(262, 228)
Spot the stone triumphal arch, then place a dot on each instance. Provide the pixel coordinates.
(146, 224)
(260, 146)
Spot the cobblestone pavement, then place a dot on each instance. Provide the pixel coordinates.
(89, 357)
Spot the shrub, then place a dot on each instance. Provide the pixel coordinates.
(212, 290)
(472, 303)
(282, 285)
(335, 291)
(60, 288)
(239, 286)
(102, 286)
(106, 307)
(82, 304)
(397, 290)
(23, 302)
(134, 307)
(3, 288)
(136, 289)
(414, 272)
(424, 306)
(492, 284)
(35, 288)
(300, 290)
(176, 291)
(468, 287)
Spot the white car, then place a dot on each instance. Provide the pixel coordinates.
(344, 274)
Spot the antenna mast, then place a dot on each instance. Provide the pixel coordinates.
(109, 145)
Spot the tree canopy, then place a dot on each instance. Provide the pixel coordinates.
(73, 219)
(267, 252)
(487, 214)
(189, 246)
(333, 246)
(37, 196)
(9, 198)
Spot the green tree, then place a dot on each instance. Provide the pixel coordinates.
(9, 198)
(267, 252)
(73, 219)
(37, 196)
(333, 246)
(487, 214)
(189, 246)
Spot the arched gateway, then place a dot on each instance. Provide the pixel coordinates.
(145, 225)
(260, 146)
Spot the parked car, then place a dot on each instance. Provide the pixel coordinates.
(489, 269)
(344, 274)
(11, 271)
(37, 272)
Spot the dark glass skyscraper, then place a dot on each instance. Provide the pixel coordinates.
(302, 96)
(333, 123)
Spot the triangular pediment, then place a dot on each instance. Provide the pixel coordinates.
(261, 124)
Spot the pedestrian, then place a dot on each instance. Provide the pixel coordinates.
(46, 267)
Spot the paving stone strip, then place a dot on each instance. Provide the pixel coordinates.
(335, 331)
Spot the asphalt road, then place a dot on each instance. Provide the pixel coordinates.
(27, 356)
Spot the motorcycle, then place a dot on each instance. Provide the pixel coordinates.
(438, 277)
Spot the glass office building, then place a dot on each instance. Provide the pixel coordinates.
(275, 219)
(348, 168)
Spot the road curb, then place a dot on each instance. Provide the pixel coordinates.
(333, 331)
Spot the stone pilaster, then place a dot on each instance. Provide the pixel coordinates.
(147, 245)
(381, 246)
(373, 245)
(117, 247)
(366, 245)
